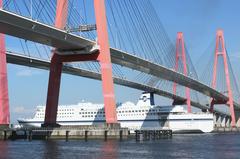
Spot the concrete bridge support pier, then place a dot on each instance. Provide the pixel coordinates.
(237, 116)
(217, 120)
(227, 121)
(223, 121)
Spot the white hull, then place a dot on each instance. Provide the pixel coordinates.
(177, 123)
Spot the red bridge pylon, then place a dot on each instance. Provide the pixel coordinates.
(220, 50)
(4, 100)
(181, 54)
(103, 56)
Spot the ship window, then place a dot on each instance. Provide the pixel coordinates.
(142, 110)
(91, 112)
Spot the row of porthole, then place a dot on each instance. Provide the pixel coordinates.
(85, 116)
(62, 110)
(118, 115)
(132, 111)
(57, 116)
(91, 112)
(126, 111)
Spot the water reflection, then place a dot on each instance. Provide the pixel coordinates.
(180, 146)
(4, 149)
(51, 149)
(109, 149)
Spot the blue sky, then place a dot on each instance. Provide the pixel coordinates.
(197, 19)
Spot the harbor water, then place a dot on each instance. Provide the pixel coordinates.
(179, 146)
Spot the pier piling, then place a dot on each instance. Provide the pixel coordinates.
(86, 135)
(105, 135)
(67, 133)
(152, 134)
(5, 135)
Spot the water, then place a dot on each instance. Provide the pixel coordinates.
(179, 146)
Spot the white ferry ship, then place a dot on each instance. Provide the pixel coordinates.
(143, 115)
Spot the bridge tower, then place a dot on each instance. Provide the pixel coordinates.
(4, 100)
(181, 55)
(102, 55)
(220, 50)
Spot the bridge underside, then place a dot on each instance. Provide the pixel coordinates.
(44, 64)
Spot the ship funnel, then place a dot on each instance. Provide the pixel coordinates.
(146, 99)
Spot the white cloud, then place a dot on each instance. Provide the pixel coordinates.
(18, 109)
(21, 110)
(235, 55)
(27, 73)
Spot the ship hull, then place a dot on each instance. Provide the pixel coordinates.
(177, 123)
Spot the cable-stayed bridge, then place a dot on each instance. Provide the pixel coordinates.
(71, 47)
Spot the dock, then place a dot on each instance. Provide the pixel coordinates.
(141, 135)
(105, 132)
(226, 129)
(67, 133)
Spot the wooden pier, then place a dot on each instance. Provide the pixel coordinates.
(141, 135)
